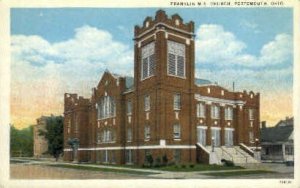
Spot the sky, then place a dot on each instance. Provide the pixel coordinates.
(61, 50)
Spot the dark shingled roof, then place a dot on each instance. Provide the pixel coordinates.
(199, 81)
(276, 134)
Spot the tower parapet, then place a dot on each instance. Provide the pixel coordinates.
(162, 20)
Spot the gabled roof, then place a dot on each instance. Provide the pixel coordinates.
(201, 82)
(286, 122)
(276, 134)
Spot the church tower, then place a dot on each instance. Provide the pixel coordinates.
(164, 64)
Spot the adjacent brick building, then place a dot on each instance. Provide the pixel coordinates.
(40, 144)
(163, 109)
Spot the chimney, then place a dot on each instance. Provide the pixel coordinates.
(263, 124)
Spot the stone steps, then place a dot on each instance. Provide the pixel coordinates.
(235, 154)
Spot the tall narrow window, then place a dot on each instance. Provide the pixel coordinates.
(201, 110)
(129, 107)
(147, 132)
(251, 136)
(176, 131)
(98, 138)
(215, 133)
(148, 61)
(251, 114)
(147, 103)
(177, 101)
(215, 112)
(106, 107)
(176, 59)
(108, 136)
(128, 154)
(129, 135)
(228, 113)
(177, 155)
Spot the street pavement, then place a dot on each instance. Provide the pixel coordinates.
(282, 171)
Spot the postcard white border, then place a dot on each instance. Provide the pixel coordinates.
(5, 105)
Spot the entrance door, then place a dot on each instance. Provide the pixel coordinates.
(215, 133)
(228, 138)
(201, 135)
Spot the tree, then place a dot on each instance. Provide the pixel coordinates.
(21, 141)
(54, 135)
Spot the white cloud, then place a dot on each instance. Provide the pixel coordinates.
(246, 24)
(214, 45)
(74, 62)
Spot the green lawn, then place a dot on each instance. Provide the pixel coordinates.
(78, 167)
(238, 173)
(183, 168)
(197, 167)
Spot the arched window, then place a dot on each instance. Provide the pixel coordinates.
(106, 107)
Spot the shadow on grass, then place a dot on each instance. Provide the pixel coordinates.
(238, 173)
(99, 169)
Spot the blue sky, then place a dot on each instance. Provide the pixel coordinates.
(253, 26)
(68, 49)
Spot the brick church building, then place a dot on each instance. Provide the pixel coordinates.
(163, 110)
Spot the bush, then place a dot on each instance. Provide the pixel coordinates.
(192, 165)
(227, 162)
(165, 160)
(183, 166)
(171, 163)
(149, 160)
(157, 162)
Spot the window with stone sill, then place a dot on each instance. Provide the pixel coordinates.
(176, 131)
(201, 110)
(251, 114)
(147, 103)
(177, 101)
(106, 107)
(147, 132)
(108, 136)
(228, 113)
(177, 155)
(215, 112)
(129, 135)
(176, 59)
(129, 156)
(148, 61)
(98, 138)
(129, 107)
(251, 136)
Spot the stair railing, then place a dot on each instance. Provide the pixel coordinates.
(224, 151)
(246, 157)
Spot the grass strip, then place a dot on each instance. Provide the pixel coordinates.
(183, 168)
(99, 169)
(238, 173)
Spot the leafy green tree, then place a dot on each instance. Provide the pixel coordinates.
(21, 141)
(54, 135)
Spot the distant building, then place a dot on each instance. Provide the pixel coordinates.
(278, 142)
(40, 144)
(163, 110)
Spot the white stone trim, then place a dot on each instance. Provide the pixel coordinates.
(201, 127)
(228, 128)
(217, 128)
(137, 147)
(207, 99)
(202, 147)
(140, 42)
(167, 26)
